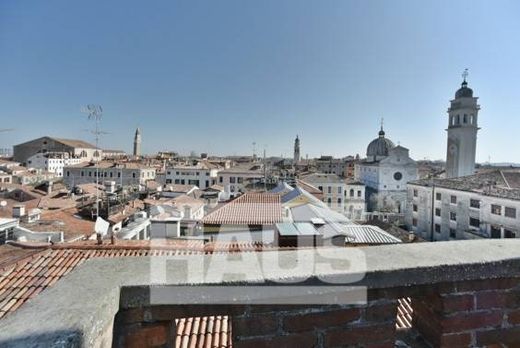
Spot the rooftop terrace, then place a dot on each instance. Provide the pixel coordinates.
(462, 294)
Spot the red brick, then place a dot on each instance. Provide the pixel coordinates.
(381, 312)
(455, 340)
(514, 317)
(300, 340)
(498, 299)
(487, 284)
(471, 320)
(457, 303)
(360, 335)
(151, 335)
(389, 344)
(509, 336)
(307, 322)
(255, 326)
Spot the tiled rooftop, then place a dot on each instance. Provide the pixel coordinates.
(496, 183)
(34, 270)
(211, 332)
(248, 209)
(25, 273)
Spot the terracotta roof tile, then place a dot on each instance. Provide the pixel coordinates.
(249, 209)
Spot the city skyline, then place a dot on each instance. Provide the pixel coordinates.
(261, 72)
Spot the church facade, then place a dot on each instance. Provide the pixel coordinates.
(385, 172)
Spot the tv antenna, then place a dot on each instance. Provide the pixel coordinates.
(94, 112)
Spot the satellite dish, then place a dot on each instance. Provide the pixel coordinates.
(3, 204)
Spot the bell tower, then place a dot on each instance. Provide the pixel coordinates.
(296, 156)
(137, 143)
(462, 132)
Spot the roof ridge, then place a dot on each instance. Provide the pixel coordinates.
(504, 178)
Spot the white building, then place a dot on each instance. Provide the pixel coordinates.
(333, 188)
(75, 148)
(240, 179)
(124, 174)
(355, 205)
(385, 173)
(203, 175)
(53, 162)
(462, 132)
(484, 205)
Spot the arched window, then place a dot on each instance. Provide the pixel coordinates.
(465, 120)
(351, 192)
(457, 119)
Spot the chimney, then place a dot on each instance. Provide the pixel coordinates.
(19, 211)
(187, 212)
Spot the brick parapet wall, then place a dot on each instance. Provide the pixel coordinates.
(470, 314)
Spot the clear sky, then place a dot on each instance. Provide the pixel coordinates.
(214, 76)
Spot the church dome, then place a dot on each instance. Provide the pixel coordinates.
(379, 147)
(464, 91)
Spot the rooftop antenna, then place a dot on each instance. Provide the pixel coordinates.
(94, 112)
(265, 173)
(382, 122)
(254, 150)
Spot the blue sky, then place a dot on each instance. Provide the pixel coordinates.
(214, 76)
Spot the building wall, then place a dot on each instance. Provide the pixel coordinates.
(53, 165)
(355, 206)
(420, 221)
(235, 183)
(200, 177)
(122, 176)
(23, 151)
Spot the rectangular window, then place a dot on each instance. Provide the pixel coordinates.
(329, 189)
(359, 193)
(232, 179)
(437, 212)
(415, 193)
(474, 203)
(495, 232)
(220, 179)
(437, 228)
(510, 212)
(414, 222)
(453, 199)
(474, 222)
(496, 209)
(415, 208)
(240, 180)
(453, 216)
(438, 196)
(453, 233)
(509, 234)
(339, 189)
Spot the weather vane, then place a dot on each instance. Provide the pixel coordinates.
(465, 74)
